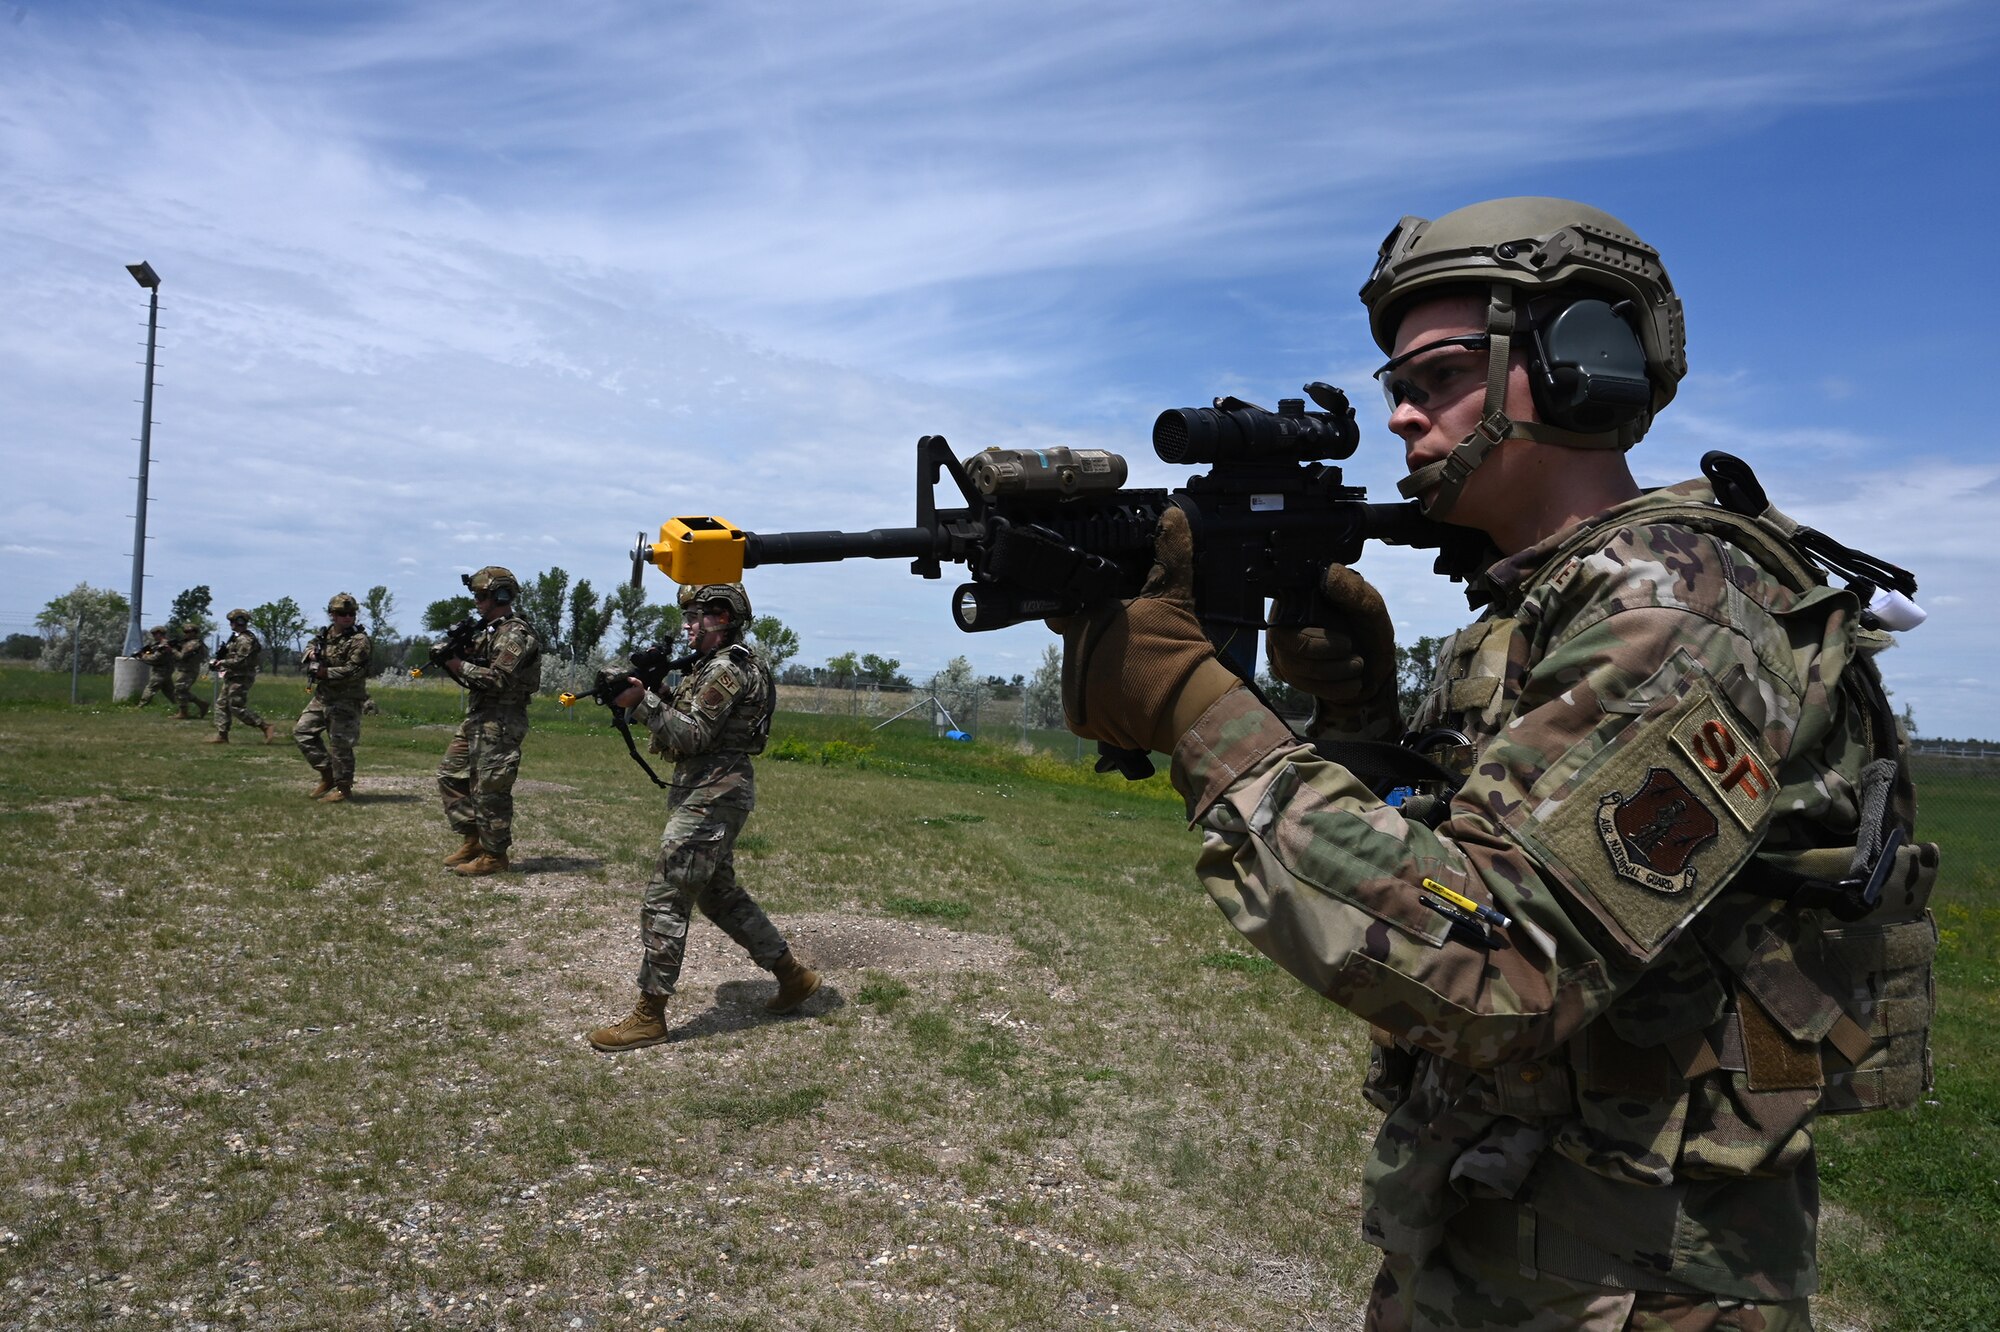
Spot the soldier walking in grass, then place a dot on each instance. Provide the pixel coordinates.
(235, 671)
(501, 669)
(330, 726)
(711, 726)
(158, 654)
(188, 655)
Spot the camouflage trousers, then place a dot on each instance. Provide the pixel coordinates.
(232, 699)
(476, 778)
(697, 868)
(183, 694)
(1456, 1289)
(157, 682)
(326, 734)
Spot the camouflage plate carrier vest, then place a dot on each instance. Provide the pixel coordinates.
(1769, 1007)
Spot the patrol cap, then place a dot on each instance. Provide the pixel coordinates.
(342, 604)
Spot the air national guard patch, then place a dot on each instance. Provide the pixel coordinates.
(1642, 830)
(1654, 832)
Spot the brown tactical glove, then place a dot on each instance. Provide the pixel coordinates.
(1345, 657)
(1137, 674)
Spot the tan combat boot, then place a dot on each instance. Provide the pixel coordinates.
(337, 794)
(325, 785)
(796, 983)
(180, 713)
(469, 849)
(219, 738)
(647, 1025)
(486, 862)
(268, 733)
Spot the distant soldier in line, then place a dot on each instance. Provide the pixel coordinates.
(711, 725)
(188, 656)
(158, 654)
(500, 670)
(235, 671)
(330, 727)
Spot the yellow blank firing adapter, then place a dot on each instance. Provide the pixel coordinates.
(693, 550)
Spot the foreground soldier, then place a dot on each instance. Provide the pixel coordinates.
(500, 672)
(330, 727)
(710, 725)
(158, 654)
(188, 656)
(1609, 975)
(235, 671)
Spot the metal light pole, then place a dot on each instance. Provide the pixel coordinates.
(142, 273)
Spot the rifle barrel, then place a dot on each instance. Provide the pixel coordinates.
(882, 543)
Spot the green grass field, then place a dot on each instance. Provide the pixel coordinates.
(269, 1065)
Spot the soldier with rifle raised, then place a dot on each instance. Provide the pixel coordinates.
(327, 731)
(235, 667)
(498, 659)
(158, 654)
(188, 655)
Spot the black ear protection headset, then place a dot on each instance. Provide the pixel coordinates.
(1586, 365)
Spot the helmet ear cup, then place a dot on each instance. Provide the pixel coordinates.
(1589, 369)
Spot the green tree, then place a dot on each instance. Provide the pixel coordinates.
(542, 603)
(93, 618)
(588, 619)
(442, 615)
(279, 621)
(192, 607)
(21, 647)
(777, 643)
(842, 670)
(883, 670)
(640, 624)
(1415, 664)
(380, 608)
(1043, 695)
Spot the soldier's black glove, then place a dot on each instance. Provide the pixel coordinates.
(1344, 657)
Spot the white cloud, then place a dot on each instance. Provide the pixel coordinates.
(451, 285)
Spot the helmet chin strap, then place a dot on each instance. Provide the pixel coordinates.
(1446, 477)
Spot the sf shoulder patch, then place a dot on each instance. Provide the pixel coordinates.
(1654, 825)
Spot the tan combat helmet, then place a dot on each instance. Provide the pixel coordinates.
(238, 614)
(1569, 283)
(731, 595)
(495, 581)
(340, 603)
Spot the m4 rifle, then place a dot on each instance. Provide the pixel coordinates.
(650, 666)
(1046, 533)
(455, 643)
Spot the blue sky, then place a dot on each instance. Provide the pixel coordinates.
(504, 282)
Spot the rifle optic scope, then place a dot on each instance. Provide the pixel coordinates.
(1237, 431)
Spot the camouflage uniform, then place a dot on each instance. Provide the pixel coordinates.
(236, 671)
(1599, 1114)
(710, 725)
(188, 656)
(330, 726)
(158, 654)
(502, 670)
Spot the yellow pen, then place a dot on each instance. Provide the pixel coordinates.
(1467, 905)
